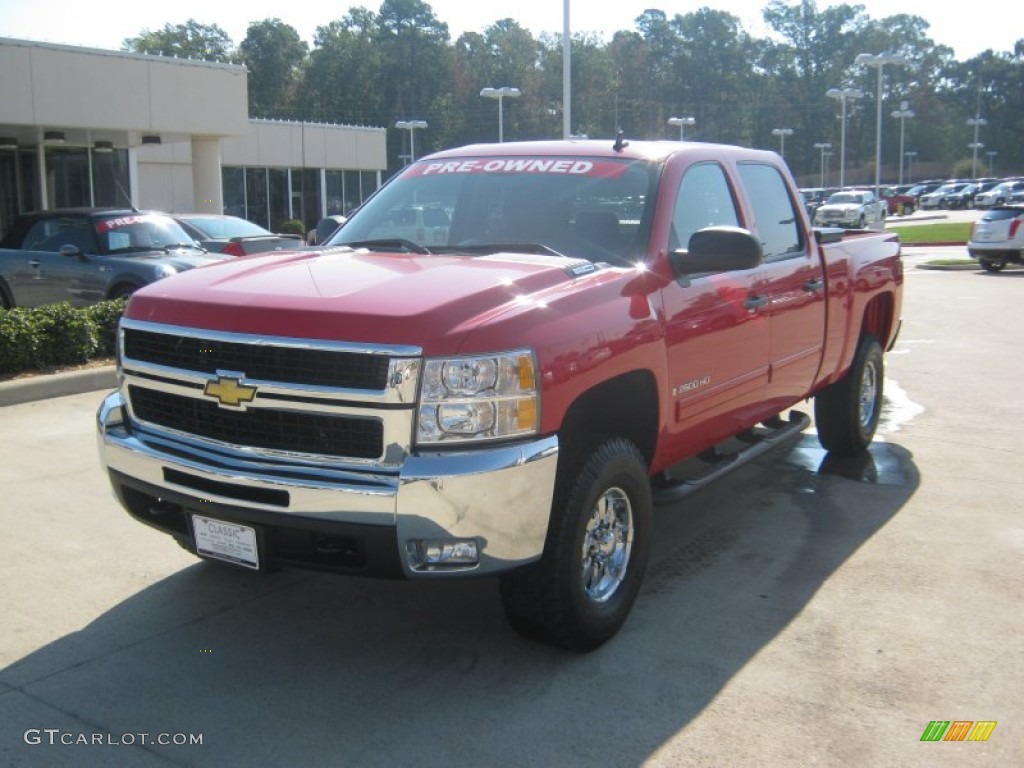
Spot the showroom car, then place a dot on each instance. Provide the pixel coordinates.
(232, 235)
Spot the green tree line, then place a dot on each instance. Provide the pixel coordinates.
(400, 63)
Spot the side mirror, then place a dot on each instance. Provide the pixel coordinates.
(717, 249)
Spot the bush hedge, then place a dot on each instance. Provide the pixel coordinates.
(57, 334)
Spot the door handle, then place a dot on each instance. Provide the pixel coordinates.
(755, 302)
(814, 285)
(33, 263)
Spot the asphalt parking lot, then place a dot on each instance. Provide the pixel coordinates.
(805, 612)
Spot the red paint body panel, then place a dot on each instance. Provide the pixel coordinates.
(718, 365)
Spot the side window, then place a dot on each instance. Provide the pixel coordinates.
(777, 223)
(51, 234)
(38, 235)
(704, 200)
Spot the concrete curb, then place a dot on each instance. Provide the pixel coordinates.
(45, 386)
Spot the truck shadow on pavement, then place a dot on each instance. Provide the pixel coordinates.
(309, 669)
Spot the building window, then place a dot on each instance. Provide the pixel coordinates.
(279, 209)
(256, 196)
(110, 178)
(67, 178)
(233, 181)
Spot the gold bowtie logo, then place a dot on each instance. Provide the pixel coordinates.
(229, 391)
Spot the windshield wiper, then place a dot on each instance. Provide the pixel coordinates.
(488, 248)
(388, 244)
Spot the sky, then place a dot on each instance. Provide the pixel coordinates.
(965, 28)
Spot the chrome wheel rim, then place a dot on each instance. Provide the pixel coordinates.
(607, 544)
(868, 395)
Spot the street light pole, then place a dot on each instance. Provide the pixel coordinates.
(822, 146)
(411, 126)
(843, 94)
(782, 133)
(682, 122)
(991, 155)
(902, 114)
(505, 92)
(878, 61)
(977, 122)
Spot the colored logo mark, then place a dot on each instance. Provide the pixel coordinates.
(958, 730)
(229, 391)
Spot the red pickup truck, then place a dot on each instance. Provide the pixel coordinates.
(574, 335)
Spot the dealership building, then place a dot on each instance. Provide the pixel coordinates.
(87, 127)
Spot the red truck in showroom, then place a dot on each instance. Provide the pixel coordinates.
(498, 366)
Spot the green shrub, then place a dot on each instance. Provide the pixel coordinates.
(291, 227)
(63, 335)
(16, 333)
(105, 316)
(57, 334)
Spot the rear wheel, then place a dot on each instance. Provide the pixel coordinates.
(847, 412)
(991, 266)
(581, 591)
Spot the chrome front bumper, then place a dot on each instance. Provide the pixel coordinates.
(500, 497)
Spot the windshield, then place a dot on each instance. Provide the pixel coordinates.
(593, 209)
(141, 232)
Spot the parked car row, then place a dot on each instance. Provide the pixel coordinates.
(85, 255)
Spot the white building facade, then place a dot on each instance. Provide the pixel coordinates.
(86, 127)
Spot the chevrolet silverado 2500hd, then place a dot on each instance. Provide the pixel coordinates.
(511, 392)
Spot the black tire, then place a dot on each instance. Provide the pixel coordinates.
(863, 223)
(582, 590)
(847, 412)
(991, 266)
(122, 291)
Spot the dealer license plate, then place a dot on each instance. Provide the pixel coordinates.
(226, 541)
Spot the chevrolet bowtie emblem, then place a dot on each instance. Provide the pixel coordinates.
(230, 391)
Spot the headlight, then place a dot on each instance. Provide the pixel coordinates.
(479, 397)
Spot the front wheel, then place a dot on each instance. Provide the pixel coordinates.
(847, 412)
(582, 590)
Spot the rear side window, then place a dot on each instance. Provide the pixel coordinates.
(777, 222)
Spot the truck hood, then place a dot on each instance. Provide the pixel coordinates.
(430, 301)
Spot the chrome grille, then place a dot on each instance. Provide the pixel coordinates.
(304, 432)
(285, 364)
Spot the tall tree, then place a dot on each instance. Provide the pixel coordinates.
(415, 63)
(274, 54)
(340, 82)
(190, 40)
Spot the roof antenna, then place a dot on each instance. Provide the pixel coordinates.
(620, 143)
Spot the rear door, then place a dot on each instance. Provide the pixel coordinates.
(794, 284)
